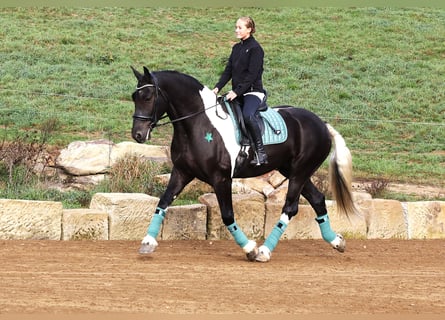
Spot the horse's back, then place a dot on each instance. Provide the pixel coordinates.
(302, 117)
(307, 132)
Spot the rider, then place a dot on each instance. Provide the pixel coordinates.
(245, 68)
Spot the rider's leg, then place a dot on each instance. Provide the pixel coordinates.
(250, 107)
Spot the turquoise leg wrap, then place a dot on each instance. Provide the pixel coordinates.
(238, 235)
(325, 227)
(156, 222)
(273, 238)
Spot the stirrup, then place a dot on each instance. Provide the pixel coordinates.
(256, 160)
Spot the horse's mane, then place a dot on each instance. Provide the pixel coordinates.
(180, 77)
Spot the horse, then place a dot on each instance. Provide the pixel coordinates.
(204, 146)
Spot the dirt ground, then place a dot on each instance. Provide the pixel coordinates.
(204, 277)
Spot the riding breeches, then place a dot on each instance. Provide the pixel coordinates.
(251, 103)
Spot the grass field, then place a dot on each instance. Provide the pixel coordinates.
(376, 74)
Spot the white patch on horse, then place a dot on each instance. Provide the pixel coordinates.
(222, 123)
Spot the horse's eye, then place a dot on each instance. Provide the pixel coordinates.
(147, 96)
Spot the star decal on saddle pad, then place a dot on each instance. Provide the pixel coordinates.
(209, 137)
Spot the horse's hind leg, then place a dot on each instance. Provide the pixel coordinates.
(178, 181)
(289, 210)
(317, 201)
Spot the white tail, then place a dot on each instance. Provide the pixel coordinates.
(340, 173)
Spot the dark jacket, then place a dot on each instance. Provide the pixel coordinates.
(245, 67)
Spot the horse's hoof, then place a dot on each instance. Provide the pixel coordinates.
(251, 256)
(251, 250)
(263, 254)
(148, 245)
(146, 249)
(339, 243)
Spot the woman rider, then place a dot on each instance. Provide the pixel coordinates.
(245, 68)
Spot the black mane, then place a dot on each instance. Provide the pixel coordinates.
(179, 77)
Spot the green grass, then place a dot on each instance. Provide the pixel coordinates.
(376, 74)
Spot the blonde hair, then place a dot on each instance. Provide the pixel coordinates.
(249, 23)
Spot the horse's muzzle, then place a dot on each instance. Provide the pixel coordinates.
(142, 126)
(140, 135)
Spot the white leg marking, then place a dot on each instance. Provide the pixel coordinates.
(148, 245)
(339, 243)
(149, 240)
(251, 245)
(264, 254)
(284, 218)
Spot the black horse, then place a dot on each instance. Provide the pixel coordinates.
(204, 146)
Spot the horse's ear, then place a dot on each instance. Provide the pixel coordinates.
(138, 75)
(147, 72)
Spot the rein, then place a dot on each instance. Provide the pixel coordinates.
(152, 118)
(187, 116)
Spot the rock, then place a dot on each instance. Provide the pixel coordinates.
(195, 186)
(148, 152)
(84, 224)
(276, 179)
(34, 220)
(187, 222)
(249, 213)
(353, 226)
(258, 184)
(385, 219)
(426, 219)
(82, 158)
(129, 213)
(69, 182)
(302, 226)
(278, 195)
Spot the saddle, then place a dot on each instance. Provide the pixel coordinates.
(272, 126)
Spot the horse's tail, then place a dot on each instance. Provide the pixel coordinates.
(340, 174)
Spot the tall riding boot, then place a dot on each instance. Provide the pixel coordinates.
(255, 132)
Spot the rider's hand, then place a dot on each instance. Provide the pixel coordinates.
(231, 95)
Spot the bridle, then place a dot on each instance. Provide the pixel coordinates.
(153, 118)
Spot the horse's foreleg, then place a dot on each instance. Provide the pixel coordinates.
(177, 182)
(317, 201)
(149, 243)
(223, 191)
(265, 251)
(248, 246)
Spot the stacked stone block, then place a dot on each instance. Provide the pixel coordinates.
(120, 216)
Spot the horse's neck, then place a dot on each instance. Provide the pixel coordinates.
(189, 101)
(192, 113)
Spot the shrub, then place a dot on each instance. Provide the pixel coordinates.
(134, 174)
(25, 150)
(377, 188)
(321, 182)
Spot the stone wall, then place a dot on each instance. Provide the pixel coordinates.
(257, 205)
(125, 216)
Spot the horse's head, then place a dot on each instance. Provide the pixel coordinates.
(145, 114)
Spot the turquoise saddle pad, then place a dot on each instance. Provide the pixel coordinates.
(271, 119)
